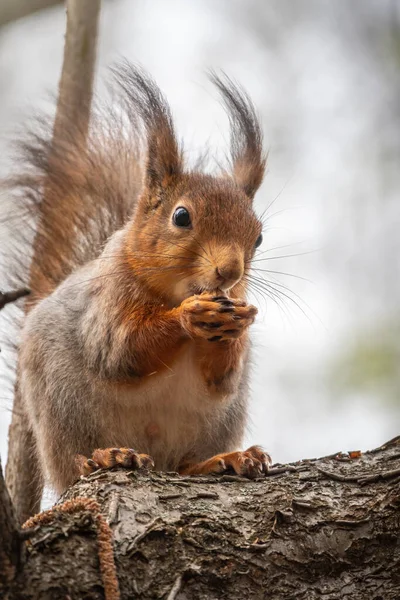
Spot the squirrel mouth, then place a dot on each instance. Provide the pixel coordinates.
(200, 289)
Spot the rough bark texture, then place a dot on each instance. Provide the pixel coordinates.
(23, 476)
(9, 540)
(325, 529)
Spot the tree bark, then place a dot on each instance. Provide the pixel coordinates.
(315, 529)
(10, 547)
(23, 476)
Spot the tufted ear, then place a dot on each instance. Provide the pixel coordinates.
(248, 159)
(146, 103)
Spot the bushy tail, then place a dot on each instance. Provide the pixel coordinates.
(66, 198)
(73, 193)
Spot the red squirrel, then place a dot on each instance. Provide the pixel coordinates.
(135, 350)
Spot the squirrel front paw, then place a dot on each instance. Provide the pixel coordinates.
(251, 463)
(106, 458)
(216, 318)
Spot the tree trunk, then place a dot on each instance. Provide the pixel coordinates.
(326, 529)
(10, 546)
(23, 475)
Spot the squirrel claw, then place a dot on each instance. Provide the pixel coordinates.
(216, 318)
(107, 458)
(251, 463)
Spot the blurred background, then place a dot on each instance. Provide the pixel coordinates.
(325, 78)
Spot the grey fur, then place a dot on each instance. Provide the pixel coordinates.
(70, 363)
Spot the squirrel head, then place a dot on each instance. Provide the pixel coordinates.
(193, 232)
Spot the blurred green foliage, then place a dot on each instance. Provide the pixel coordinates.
(371, 363)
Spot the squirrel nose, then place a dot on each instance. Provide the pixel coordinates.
(228, 275)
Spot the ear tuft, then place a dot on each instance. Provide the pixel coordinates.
(147, 106)
(247, 154)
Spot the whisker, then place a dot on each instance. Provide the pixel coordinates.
(271, 286)
(276, 197)
(254, 292)
(259, 253)
(179, 246)
(153, 255)
(282, 273)
(206, 253)
(272, 296)
(284, 286)
(267, 218)
(114, 274)
(160, 269)
(284, 256)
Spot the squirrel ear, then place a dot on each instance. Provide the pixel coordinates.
(164, 158)
(147, 106)
(248, 160)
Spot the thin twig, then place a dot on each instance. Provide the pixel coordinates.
(7, 297)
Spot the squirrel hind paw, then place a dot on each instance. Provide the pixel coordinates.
(107, 458)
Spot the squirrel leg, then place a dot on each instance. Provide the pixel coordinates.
(111, 457)
(251, 463)
(218, 325)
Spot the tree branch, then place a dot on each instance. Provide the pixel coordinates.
(7, 297)
(298, 533)
(76, 82)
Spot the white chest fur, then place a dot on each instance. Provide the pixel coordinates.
(166, 415)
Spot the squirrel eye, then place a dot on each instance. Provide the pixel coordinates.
(259, 241)
(181, 217)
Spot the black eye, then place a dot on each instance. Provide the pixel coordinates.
(181, 217)
(259, 241)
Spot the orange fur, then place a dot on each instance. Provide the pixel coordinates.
(251, 463)
(108, 458)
